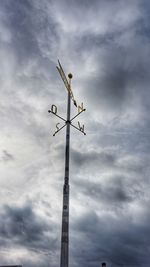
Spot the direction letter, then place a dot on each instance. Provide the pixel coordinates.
(80, 108)
(54, 109)
(81, 127)
(57, 126)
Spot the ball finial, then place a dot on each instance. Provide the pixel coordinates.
(70, 76)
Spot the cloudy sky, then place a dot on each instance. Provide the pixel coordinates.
(105, 44)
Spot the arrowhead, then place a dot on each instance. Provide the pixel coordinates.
(75, 103)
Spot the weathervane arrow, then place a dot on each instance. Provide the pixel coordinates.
(66, 83)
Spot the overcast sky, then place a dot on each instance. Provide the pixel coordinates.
(105, 45)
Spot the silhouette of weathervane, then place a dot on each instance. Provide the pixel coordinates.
(64, 259)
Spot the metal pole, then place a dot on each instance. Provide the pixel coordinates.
(64, 257)
(64, 261)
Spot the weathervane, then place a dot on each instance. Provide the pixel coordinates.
(80, 108)
(64, 261)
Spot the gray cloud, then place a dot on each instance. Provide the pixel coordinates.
(114, 192)
(81, 158)
(121, 80)
(109, 239)
(21, 227)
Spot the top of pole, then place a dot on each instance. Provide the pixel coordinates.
(70, 76)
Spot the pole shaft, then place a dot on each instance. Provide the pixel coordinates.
(64, 261)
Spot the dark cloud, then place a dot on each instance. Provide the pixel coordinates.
(114, 192)
(21, 226)
(120, 77)
(33, 34)
(25, 21)
(101, 158)
(19, 21)
(118, 241)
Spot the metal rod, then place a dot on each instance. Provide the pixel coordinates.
(78, 114)
(59, 129)
(78, 129)
(56, 115)
(64, 261)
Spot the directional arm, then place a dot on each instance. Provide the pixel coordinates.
(49, 111)
(78, 114)
(59, 129)
(78, 129)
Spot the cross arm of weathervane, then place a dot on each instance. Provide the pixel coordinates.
(77, 114)
(80, 128)
(49, 111)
